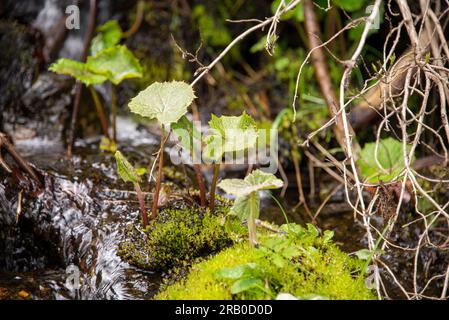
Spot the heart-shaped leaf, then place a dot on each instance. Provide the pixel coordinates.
(230, 134)
(78, 70)
(126, 169)
(167, 102)
(116, 63)
(255, 181)
(390, 156)
(109, 34)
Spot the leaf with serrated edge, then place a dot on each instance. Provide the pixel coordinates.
(230, 134)
(167, 102)
(255, 181)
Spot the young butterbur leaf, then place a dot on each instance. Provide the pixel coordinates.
(78, 70)
(167, 102)
(126, 169)
(230, 134)
(255, 181)
(116, 63)
(390, 156)
(109, 34)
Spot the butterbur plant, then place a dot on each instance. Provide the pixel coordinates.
(190, 137)
(108, 61)
(128, 173)
(230, 134)
(167, 102)
(247, 202)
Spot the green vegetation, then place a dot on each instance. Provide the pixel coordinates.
(383, 161)
(247, 204)
(167, 102)
(128, 174)
(296, 261)
(108, 61)
(230, 134)
(179, 235)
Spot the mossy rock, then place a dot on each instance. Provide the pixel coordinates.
(180, 235)
(298, 262)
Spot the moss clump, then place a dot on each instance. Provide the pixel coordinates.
(179, 235)
(298, 262)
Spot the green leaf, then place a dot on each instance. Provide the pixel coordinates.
(116, 63)
(126, 169)
(167, 102)
(255, 181)
(230, 134)
(350, 5)
(186, 133)
(363, 254)
(78, 70)
(390, 157)
(242, 206)
(109, 34)
(246, 284)
(236, 272)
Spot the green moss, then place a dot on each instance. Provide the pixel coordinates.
(179, 235)
(315, 266)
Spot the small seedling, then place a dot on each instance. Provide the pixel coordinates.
(167, 102)
(108, 62)
(247, 203)
(129, 174)
(229, 134)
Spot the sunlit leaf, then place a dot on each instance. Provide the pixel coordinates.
(116, 63)
(255, 181)
(126, 169)
(78, 70)
(109, 34)
(390, 156)
(230, 134)
(167, 102)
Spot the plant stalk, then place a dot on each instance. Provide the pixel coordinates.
(213, 187)
(201, 186)
(159, 175)
(252, 220)
(143, 209)
(100, 112)
(114, 113)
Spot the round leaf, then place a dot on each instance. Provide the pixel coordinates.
(256, 181)
(167, 102)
